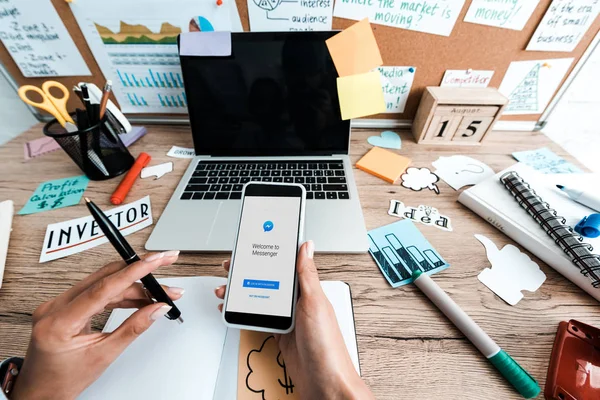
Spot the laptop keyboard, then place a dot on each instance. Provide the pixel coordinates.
(222, 180)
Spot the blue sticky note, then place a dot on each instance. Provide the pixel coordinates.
(399, 249)
(546, 161)
(56, 194)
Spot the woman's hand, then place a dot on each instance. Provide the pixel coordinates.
(315, 353)
(64, 355)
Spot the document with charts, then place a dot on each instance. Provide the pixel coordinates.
(135, 45)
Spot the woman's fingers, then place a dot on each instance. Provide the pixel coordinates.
(136, 292)
(93, 300)
(220, 292)
(226, 264)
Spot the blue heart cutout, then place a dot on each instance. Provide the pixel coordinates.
(387, 139)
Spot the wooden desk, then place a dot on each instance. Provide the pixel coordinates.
(407, 348)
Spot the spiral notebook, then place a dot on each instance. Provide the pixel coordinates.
(538, 216)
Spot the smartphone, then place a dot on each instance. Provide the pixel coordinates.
(262, 288)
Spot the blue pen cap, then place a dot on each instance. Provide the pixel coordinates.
(589, 226)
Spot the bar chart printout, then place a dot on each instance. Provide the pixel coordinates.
(399, 249)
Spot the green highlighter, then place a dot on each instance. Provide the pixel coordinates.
(509, 368)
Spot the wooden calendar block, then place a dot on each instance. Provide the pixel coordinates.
(472, 129)
(457, 115)
(442, 128)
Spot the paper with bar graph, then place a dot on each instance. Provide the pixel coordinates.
(399, 249)
(135, 45)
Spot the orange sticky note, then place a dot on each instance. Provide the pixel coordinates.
(354, 50)
(360, 95)
(383, 164)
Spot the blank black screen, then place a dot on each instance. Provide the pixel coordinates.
(275, 95)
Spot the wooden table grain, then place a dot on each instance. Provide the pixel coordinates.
(407, 348)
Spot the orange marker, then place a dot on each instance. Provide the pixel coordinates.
(219, 2)
(127, 182)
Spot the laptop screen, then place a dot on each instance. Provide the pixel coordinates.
(275, 95)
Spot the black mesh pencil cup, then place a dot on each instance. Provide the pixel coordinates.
(98, 150)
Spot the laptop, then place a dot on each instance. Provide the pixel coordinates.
(267, 113)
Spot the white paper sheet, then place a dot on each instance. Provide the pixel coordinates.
(157, 171)
(74, 236)
(7, 211)
(436, 17)
(564, 25)
(290, 15)
(396, 83)
(169, 360)
(134, 43)
(38, 41)
(512, 14)
(529, 85)
(467, 78)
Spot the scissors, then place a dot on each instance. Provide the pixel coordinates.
(55, 106)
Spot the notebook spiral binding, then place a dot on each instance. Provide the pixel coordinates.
(555, 226)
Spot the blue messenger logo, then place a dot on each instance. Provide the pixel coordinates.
(268, 226)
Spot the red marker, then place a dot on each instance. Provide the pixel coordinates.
(127, 182)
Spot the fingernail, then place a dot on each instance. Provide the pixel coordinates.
(172, 253)
(310, 249)
(160, 312)
(176, 290)
(155, 257)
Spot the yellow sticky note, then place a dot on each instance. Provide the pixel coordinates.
(355, 50)
(360, 95)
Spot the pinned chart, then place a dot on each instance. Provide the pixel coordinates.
(512, 14)
(396, 83)
(529, 85)
(37, 40)
(564, 25)
(135, 45)
(437, 17)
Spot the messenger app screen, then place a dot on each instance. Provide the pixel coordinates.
(262, 280)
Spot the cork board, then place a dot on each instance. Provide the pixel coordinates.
(469, 46)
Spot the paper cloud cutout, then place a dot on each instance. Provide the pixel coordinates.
(420, 178)
(511, 272)
(268, 374)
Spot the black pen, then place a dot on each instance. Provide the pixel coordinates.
(129, 255)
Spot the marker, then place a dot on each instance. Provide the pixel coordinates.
(587, 199)
(509, 368)
(125, 186)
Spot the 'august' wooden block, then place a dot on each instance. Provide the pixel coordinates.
(451, 115)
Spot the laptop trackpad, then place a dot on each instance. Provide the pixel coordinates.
(221, 233)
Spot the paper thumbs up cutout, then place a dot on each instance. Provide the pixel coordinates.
(157, 170)
(512, 271)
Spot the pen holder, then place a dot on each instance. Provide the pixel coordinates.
(97, 150)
